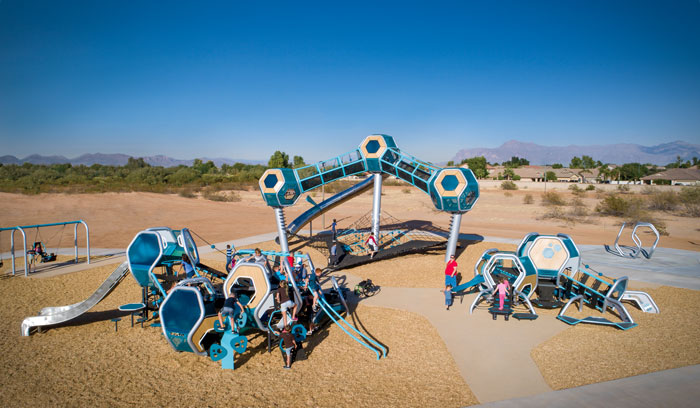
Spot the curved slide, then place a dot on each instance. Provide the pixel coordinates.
(55, 315)
(328, 204)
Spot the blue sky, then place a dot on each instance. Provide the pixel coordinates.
(242, 79)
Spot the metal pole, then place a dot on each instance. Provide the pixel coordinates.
(323, 215)
(87, 240)
(281, 229)
(75, 241)
(24, 239)
(377, 205)
(454, 235)
(12, 249)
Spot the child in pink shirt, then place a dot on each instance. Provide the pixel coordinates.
(501, 290)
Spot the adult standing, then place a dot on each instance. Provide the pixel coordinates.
(451, 272)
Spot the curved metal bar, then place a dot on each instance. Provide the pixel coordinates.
(638, 241)
(475, 302)
(572, 300)
(323, 304)
(529, 305)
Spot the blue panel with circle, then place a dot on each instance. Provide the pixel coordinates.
(450, 182)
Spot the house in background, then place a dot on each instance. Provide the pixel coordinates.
(677, 177)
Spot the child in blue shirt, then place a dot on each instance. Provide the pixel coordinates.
(448, 296)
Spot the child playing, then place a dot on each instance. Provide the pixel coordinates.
(501, 290)
(289, 345)
(229, 258)
(285, 303)
(448, 296)
(229, 311)
(373, 246)
(314, 287)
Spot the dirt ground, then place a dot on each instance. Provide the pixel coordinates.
(114, 218)
(597, 353)
(89, 364)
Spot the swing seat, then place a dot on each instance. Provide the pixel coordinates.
(48, 257)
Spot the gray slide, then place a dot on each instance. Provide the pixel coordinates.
(642, 299)
(55, 315)
(328, 204)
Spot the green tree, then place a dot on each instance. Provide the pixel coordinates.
(508, 173)
(477, 165)
(278, 160)
(516, 161)
(550, 176)
(557, 166)
(450, 163)
(299, 162)
(576, 163)
(587, 162)
(203, 168)
(136, 163)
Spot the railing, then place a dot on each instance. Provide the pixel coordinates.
(21, 229)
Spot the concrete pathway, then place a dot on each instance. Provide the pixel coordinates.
(670, 388)
(483, 349)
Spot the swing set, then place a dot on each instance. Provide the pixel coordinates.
(38, 252)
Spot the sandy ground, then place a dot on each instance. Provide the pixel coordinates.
(88, 364)
(596, 353)
(114, 218)
(77, 365)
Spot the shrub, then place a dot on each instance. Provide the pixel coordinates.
(576, 190)
(552, 198)
(646, 190)
(221, 196)
(579, 208)
(663, 201)
(508, 185)
(187, 193)
(613, 205)
(623, 188)
(690, 198)
(590, 187)
(528, 199)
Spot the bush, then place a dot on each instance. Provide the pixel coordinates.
(212, 195)
(552, 198)
(576, 190)
(579, 208)
(613, 205)
(690, 198)
(623, 188)
(508, 185)
(590, 187)
(528, 199)
(663, 201)
(187, 193)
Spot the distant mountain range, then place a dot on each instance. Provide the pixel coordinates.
(613, 153)
(117, 159)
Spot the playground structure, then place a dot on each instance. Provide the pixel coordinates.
(187, 308)
(634, 252)
(452, 190)
(37, 240)
(546, 270)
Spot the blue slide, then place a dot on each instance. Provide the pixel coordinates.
(478, 280)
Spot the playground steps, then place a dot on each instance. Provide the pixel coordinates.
(525, 316)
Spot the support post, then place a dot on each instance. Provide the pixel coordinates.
(377, 205)
(281, 229)
(454, 236)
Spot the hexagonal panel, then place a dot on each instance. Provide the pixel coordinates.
(373, 146)
(271, 181)
(449, 182)
(548, 253)
(453, 179)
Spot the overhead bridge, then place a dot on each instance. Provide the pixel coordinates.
(453, 190)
